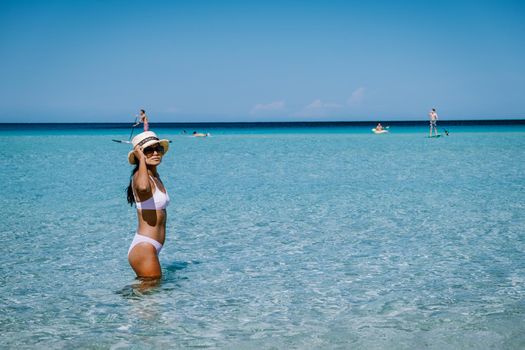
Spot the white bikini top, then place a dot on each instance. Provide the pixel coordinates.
(158, 201)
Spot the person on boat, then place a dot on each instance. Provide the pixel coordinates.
(379, 127)
(147, 191)
(143, 119)
(432, 115)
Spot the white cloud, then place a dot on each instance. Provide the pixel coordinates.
(269, 107)
(318, 108)
(357, 96)
(320, 105)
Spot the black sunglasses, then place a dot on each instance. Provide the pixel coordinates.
(149, 150)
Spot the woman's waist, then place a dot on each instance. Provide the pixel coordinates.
(153, 217)
(157, 224)
(152, 220)
(158, 234)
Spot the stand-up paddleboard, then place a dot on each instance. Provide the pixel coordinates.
(128, 141)
(379, 131)
(131, 134)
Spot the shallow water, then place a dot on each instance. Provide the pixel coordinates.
(277, 238)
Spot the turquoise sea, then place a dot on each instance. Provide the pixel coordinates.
(292, 236)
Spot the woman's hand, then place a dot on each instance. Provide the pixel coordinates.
(139, 154)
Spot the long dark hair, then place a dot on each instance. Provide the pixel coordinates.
(129, 190)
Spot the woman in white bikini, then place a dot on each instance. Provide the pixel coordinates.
(149, 195)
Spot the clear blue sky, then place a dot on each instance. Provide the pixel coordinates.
(96, 61)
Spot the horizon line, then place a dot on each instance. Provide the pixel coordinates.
(284, 122)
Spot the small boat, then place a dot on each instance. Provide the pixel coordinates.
(383, 131)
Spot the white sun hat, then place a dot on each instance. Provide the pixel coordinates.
(146, 139)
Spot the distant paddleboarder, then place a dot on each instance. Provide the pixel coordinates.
(143, 119)
(432, 115)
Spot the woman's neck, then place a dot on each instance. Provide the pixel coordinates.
(152, 170)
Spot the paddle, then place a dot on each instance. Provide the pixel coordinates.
(133, 128)
(131, 134)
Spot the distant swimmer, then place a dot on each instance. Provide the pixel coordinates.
(148, 193)
(143, 119)
(432, 115)
(199, 134)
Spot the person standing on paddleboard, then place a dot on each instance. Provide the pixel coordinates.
(149, 195)
(433, 120)
(143, 119)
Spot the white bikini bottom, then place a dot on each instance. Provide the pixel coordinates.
(143, 239)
